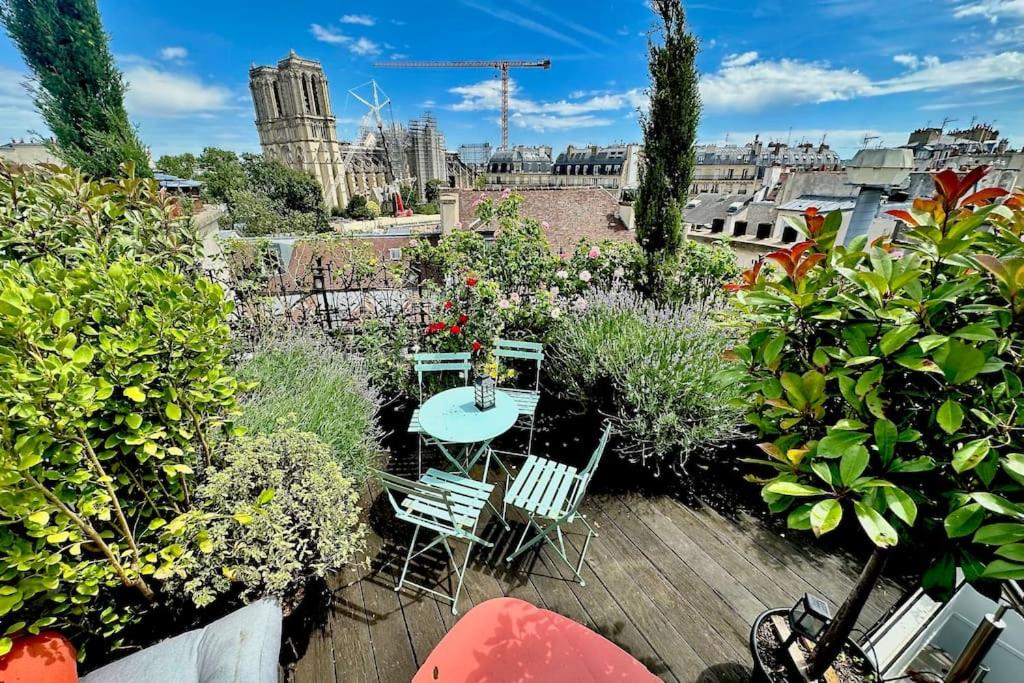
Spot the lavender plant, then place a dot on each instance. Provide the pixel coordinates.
(652, 369)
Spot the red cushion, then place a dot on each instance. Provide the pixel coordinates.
(505, 640)
(45, 657)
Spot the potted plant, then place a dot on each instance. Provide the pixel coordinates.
(885, 380)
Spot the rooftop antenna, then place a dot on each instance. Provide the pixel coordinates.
(947, 120)
(868, 138)
(789, 136)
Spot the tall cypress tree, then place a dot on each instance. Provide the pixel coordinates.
(670, 134)
(77, 88)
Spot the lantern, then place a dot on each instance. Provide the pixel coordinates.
(809, 617)
(483, 393)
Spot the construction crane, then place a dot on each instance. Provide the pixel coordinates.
(503, 65)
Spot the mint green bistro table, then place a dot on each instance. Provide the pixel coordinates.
(453, 419)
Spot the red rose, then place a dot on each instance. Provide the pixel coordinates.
(455, 329)
(475, 346)
(447, 305)
(463, 319)
(471, 281)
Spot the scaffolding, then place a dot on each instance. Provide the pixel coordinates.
(475, 155)
(426, 157)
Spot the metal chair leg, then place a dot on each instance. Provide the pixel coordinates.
(408, 559)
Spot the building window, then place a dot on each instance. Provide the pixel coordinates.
(277, 100)
(395, 254)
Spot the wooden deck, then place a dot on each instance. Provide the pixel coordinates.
(677, 587)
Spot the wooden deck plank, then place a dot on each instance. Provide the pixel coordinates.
(675, 587)
(694, 609)
(350, 627)
(602, 613)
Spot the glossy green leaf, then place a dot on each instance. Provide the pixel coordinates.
(968, 457)
(1000, 533)
(901, 504)
(790, 488)
(135, 393)
(852, 464)
(875, 526)
(964, 521)
(950, 416)
(1004, 570)
(825, 516)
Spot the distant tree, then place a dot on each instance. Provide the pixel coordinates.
(221, 173)
(182, 165)
(480, 182)
(77, 88)
(670, 134)
(357, 209)
(290, 189)
(433, 190)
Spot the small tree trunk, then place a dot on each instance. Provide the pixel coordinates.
(838, 631)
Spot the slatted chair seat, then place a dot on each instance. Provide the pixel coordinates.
(526, 400)
(447, 504)
(414, 422)
(550, 493)
(542, 487)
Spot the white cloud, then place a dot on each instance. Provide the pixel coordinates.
(544, 122)
(741, 59)
(757, 84)
(993, 10)
(326, 34)
(173, 53)
(18, 116)
(909, 61)
(153, 92)
(360, 19)
(562, 114)
(398, 55)
(364, 46)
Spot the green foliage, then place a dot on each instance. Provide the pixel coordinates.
(78, 90)
(886, 380)
(428, 209)
(652, 368)
(111, 377)
(303, 382)
(357, 209)
(433, 192)
(275, 198)
(181, 165)
(63, 214)
(276, 512)
(670, 134)
(221, 173)
(374, 208)
(701, 268)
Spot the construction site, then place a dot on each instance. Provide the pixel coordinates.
(297, 126)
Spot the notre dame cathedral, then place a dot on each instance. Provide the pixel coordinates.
(296, 125)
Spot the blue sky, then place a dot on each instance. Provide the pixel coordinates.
(787, 69)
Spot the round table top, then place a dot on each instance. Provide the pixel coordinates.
(453, 417)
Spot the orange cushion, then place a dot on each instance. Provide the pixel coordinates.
(45, 657)
(505, 640)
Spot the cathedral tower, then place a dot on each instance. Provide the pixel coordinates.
(295, 122)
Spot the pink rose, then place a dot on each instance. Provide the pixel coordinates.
(585, 275)
(593, 253)
(506, 193)
(514, 297)
(503, 304)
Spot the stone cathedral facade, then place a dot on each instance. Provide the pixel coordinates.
(296, 125)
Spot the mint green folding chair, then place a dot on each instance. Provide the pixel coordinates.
(506, 350)
(549, 493)
(446, 504)
(425, 364)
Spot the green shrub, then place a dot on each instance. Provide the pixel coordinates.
(702, 268)
(358, 209)
(305, 383)
(653, 369)
(886, 382)
(277, 510)
(112, 378)
(62, 213)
